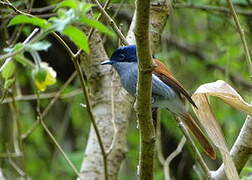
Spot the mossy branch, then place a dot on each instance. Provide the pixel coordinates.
(143, 102)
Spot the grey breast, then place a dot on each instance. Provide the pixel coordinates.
(128, 76)
(163, 95)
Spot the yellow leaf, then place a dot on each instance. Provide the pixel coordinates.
(49, 79)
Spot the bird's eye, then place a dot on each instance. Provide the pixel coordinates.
(121, 57)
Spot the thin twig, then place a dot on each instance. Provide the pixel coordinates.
(210, 8)
(40, 119)
(29, 38)
(43, 9)
(17, 141)
(70, 79)
(77, 66)
(59, 147)
(63, 43)
(113, 112)
(113, 116)
(10, 154)
(118, 9)
(79, 72)
(193, 146)
(13, 8)
(47, 15)
(192, 50)
(159, 140)
(57, 95)
(91, 31)
(22, 49)
(16, 167)
(20, 28)
(111, 22)
(88, 107)
(8, 56)
(172, 156)
(198, 171)
(32, 97)
(242, 36)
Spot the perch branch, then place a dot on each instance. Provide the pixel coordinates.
(143, 100)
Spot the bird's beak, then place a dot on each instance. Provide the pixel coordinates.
(106, 62)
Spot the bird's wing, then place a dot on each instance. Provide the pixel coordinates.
(166, 76)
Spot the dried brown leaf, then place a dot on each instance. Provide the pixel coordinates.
(205, 115)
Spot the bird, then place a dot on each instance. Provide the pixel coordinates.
(167, 92)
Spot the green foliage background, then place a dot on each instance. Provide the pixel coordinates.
(209, 33)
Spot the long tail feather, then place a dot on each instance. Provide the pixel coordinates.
(194, 128)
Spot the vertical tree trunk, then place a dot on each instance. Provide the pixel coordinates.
(99, 79)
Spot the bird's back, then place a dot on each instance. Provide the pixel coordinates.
(163, 96)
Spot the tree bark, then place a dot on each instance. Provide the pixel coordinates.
(240, 152)
(99, 79)
(1, 175)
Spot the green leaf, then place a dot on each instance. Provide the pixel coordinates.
(22, 19)
(65, 18)
(85, 7)
(8, 83)
(16, 47)
(8, 68)
(68, 3)
(78, 37)
(97, 25)
(248, 169)
(23, 60)
(39, 46)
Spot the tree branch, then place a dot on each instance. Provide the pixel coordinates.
(1, 174)
(48, 107)
(242, 36)
(210, 8)
(197, 154)
(240, 152)
(171, 157)
(99, 80)
(31, 97)
(111, 22)
(188, 48)
(40, 119)
(143, 100)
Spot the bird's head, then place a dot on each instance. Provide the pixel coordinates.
(123, 54)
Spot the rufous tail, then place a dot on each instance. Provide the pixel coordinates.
(195, 129)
